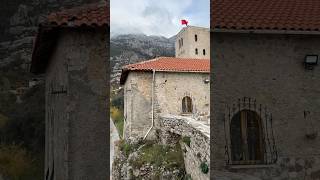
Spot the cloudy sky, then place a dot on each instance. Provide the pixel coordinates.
(157, 17)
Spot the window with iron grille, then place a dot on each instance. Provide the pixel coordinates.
(246, 138)
(249, 136)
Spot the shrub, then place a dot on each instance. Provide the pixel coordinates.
(186, 140)
(204, 167)
(117, 101)
(187, 177)
(126, 148)
(117, 117)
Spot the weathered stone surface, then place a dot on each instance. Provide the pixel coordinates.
(270, 69)
(76, 108)
(199, 133)
(186, 43)
(169, 90)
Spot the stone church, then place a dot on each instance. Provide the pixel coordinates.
(265, 92)
(168, 85)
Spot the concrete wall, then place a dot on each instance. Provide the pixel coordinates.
(169, 89)
(76, 108)
(268, 68)
(187, 50)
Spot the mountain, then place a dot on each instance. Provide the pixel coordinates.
(133, 48)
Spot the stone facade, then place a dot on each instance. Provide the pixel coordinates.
(269, 69)
(76, 108)
(186, 43)
(169, 90)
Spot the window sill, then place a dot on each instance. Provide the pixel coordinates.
(251, 166)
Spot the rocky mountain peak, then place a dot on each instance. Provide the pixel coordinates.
(132, 48)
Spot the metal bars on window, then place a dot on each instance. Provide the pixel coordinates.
(269, 149)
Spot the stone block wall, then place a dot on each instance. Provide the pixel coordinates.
(137, 104)
(187, 50)
(268, 68)
(169, 90)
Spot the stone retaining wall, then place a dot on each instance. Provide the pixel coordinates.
(199, 150)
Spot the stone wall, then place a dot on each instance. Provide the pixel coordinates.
(169, 90)
(137, 104)
(199, 150)
(187, 50)
(268, 68)
(76, 108)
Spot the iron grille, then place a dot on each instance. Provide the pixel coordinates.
(270, 154)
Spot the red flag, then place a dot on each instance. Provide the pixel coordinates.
(183, 21)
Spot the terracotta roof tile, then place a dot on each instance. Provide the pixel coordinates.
(88, 15)
(168, 64)
(171, 64)
(294, 15)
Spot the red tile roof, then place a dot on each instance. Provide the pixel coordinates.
(87, 15)
(290, 15)
(168, 64)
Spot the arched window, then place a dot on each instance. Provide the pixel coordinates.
(196, 51)
(187, 105)
(204, 52)
(195, 38)
(246, 138)
(181, 41)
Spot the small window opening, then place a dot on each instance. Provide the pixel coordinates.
(204, 52)
(195, 38)
(187, 105)
(196, 51)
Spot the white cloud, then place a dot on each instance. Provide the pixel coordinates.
(156, 17)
